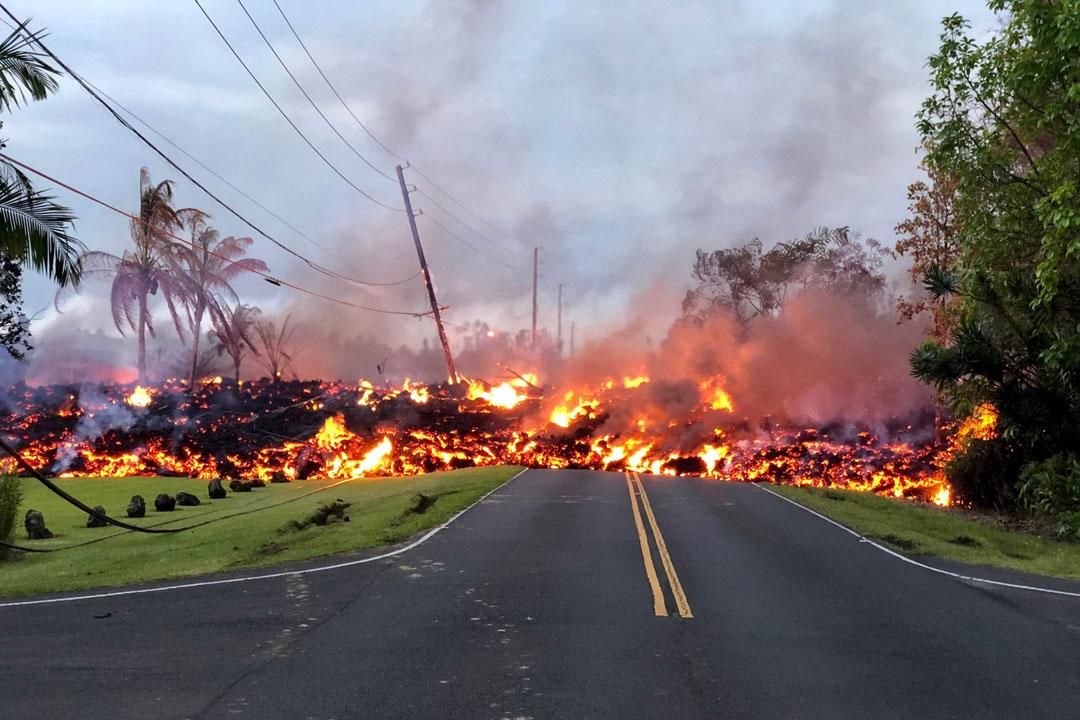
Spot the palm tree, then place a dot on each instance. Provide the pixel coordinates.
(34, 229)
(142, 271)
(205, 269)
(278, 348)
(234, 333)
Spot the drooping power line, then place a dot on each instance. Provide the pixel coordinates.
(164, 156)
(462, 240)
(264, 208)
(383, 145)
(288, 119)
(272, 279)
(304, 92)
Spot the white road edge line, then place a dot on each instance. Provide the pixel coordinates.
(916, 563)
(268, 576)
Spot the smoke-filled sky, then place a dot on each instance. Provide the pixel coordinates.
(618, 136)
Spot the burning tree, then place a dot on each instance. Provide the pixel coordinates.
(278, 347)
(234, 333)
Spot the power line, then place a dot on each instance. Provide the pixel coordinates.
(457, 237)
(283, 221)
(288, 119)
(273, 280)
(334, 89)
(176, 166)
(304, 92)
(382, 144)
(464, 207)
(476, 232)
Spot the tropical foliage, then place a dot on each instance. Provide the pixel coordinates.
(143, 270)
(278, 347)
(35, 231)
(1002, 124)
(234, 335)
(204, 269)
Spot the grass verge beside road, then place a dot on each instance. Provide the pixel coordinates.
(379, 514)
(925, 530)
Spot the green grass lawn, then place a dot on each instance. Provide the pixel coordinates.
(379, 514)
(917, 529)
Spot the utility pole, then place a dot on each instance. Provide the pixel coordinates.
(536, 263)
(427, 278)
(559, 336)
(573, 328)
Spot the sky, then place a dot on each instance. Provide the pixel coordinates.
(619, 137)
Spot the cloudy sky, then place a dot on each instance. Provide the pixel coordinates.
(618, 136)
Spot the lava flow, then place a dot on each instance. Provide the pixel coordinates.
(286, 431)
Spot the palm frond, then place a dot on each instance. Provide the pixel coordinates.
(36, 230)
(940, 282)
(23, 72)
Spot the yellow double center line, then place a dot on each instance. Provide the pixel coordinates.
(637, 491)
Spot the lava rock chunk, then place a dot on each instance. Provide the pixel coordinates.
(137, 507)
(215, 490)
(420, 503)
(186, 498)
(94, 519)
(35, 525)
(164, 503)
(240, 486)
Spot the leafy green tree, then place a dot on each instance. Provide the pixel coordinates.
(14, 326)
(1003, 121)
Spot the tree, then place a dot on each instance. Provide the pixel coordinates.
(34, 229)
(748, 281)
(278, 348)
(142, 271)
(14, 326)
(1002, 122)
(234, 333)
(204, 270)
(928, 237)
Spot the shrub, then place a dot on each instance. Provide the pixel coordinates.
(10, 499)
(983, 475)
(1051, 488)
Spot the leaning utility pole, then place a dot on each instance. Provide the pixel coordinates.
(536, 263)
(559, 336)
(427, 278)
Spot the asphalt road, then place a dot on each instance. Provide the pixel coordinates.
(538, 603)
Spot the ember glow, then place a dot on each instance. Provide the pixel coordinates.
(139, 397)
(288, 431)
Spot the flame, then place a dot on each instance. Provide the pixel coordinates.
(140, 397)
(981, 425)
(504, 395)
(333, 433)
(716, 396)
